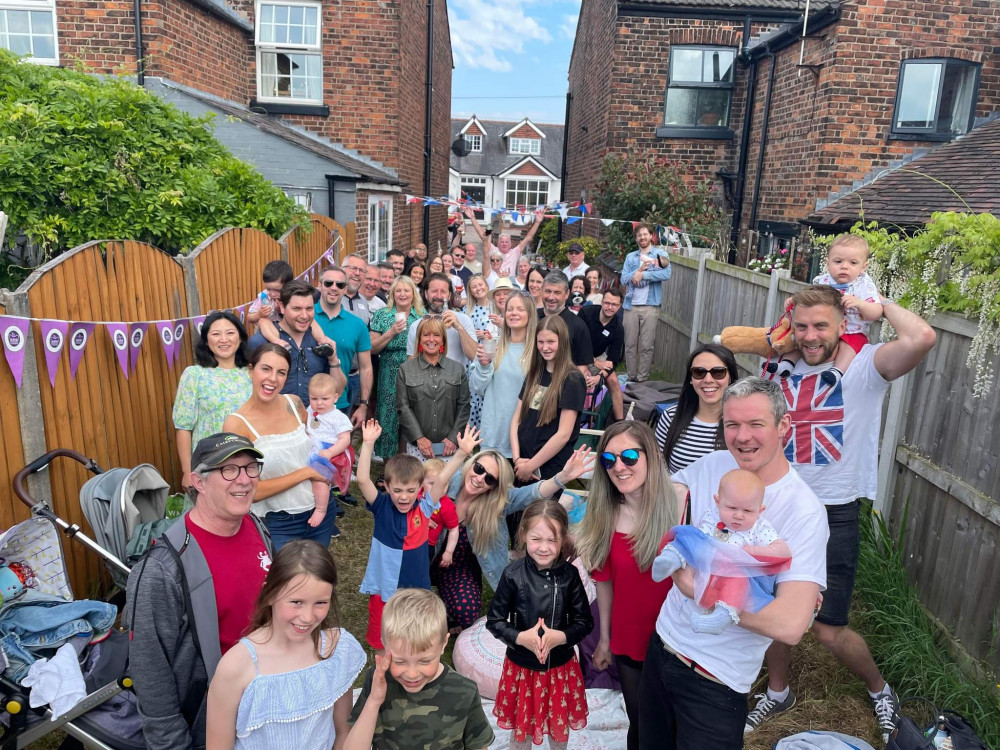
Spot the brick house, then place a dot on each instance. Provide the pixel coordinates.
(780, 124)
(328, 100)
(509, 164)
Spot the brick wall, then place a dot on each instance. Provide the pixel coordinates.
(525, 131)
(100, 34)
(530, 169)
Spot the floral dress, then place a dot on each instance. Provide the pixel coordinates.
(390, 360)
(206, 396)
(480, 321)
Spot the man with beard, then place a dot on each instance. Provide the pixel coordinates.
(643, 274)
(555, 293)
(462, 341)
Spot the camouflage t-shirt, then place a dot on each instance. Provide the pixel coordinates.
(447, 714)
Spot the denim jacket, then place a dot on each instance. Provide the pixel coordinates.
(496, 558)
(654, 277)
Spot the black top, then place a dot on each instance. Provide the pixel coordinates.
(609, 339)
(532, 438)
(579, 336)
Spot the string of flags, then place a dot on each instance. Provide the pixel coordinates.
(127, 337)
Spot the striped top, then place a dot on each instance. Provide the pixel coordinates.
(698, 440)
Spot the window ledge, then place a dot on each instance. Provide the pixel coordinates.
(933, 137)
(291, 108)
(703, 133)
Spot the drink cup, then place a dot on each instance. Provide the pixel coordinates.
(489, 346)
(400, 317)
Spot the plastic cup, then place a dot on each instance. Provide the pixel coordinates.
(400, 317)
(489, 346)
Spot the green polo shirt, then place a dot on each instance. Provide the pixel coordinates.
(351, 335)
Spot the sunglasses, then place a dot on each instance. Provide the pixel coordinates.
(491, 481)
(717, 373)
(340, 284)
(629, 457)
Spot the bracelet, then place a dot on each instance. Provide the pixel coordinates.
(559, 483)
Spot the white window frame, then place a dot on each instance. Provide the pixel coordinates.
(539, 183)
(475, 143)
(311, 50)
(379, 244)
(35, 6)
(527, 146)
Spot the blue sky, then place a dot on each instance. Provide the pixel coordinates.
(512, 56)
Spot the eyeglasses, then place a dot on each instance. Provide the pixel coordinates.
(491, 481)
(629, 457)
(328, 283)
(231, 472)
(717, 373)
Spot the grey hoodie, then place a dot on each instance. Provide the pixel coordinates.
(174, 638)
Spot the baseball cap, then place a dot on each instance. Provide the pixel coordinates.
(214, 449)
(575, 247)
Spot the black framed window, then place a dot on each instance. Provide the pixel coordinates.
(936, 98)
(699, 92)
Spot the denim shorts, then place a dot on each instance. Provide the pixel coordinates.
(841, 562)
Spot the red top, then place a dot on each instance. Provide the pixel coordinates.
(637, 600)
(239, 563)
(446, 515)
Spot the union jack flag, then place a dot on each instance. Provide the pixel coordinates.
(817, 412)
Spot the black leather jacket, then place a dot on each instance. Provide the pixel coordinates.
(526, 593)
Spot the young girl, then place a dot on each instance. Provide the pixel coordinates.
(479, 308)
(540, 610)
(445, 516)
(288, 683)
(546, 421)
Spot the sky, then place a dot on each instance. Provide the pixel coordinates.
(511, 58)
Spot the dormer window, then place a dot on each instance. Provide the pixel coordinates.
(289, 57)
(475, 143)
(531, 146)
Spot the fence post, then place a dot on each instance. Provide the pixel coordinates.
(892, 433)
(772, 309)
(29, 401)
(699, 299)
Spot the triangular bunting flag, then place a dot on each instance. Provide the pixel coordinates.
(15, 338)
(563, 213)
(165, 331)
(136, 335)
(119, 340)
(607, 222)
(572, 219)
(54, 339)
(241, 313)
(179, 327)
(79, 337)
(196, 325)
(585, 208)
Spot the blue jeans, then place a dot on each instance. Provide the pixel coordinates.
(286, 527)
(354, 389)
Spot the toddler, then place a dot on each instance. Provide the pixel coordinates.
(729, 584)
(265, 311)
(846, 264)
(411, 699)
(445, 515)
(330, 430)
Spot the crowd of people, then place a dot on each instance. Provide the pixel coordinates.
(465, 389)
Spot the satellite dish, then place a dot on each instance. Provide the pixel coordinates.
(461, 147)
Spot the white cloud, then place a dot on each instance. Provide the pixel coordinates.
(568, 25)
(484, 33)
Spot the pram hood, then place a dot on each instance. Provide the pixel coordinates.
(119, 500)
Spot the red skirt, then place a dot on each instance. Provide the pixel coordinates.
(533, 704)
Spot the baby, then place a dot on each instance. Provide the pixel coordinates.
(846, 264)
(331, 433)
(445, 516)
(735, 520)
(265, 311)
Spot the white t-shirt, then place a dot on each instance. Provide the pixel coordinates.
(833, 443)
(736, 655)
(326, 428)
(455, 351)
(376, 303)
(761, 534)
(580, 270)
(864, 289)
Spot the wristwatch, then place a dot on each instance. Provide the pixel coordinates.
(363, 402)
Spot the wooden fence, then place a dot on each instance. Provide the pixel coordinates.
(115, 420)
(938, 460)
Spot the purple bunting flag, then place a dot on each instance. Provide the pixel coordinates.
(136, 335)
(165, 330)
(79, 336)
(196, 323)
(54, 338)
(119, 340)
(15, 337)
(179, 328)
(241, 313)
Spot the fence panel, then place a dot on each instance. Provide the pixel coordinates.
(304, 249)
(12, 510)
(116, 420)
(228, 267)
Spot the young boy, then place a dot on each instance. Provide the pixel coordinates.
(330, 430)
(445, 516)
(267, 315)
(398, 556)
(420, 702)
(846, 266)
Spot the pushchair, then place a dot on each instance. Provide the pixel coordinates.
(115, 503)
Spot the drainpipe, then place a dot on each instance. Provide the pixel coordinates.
(562, 172)
(741, 169)
(763, 139)
(140, 72)
(427, 119)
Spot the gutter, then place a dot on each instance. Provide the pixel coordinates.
(763, 140)
(562, 172)
(741, 169)
(649, 10)
(794, 32)
(140, 66)
(428, 119)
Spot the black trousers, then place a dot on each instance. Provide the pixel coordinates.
(678, 708)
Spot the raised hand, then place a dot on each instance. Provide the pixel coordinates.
(382, 662)
(468, 439)
(578, 464)
(370, 431)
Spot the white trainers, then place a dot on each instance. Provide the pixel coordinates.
(765, 709)
(886, 707)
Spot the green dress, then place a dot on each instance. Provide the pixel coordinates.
(206, 396)
(389, 361)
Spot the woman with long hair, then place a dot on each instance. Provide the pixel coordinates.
(213, 388)
(535, 280)
(630, 507)
(546, 421)
(434, 265)
(593, 276)
(497, 376)
(276, 423)
(692, 427)
(479, 307)
(389, 329)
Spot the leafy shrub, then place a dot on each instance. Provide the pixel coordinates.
(656, 190)
(546, 241)
(84, 158)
